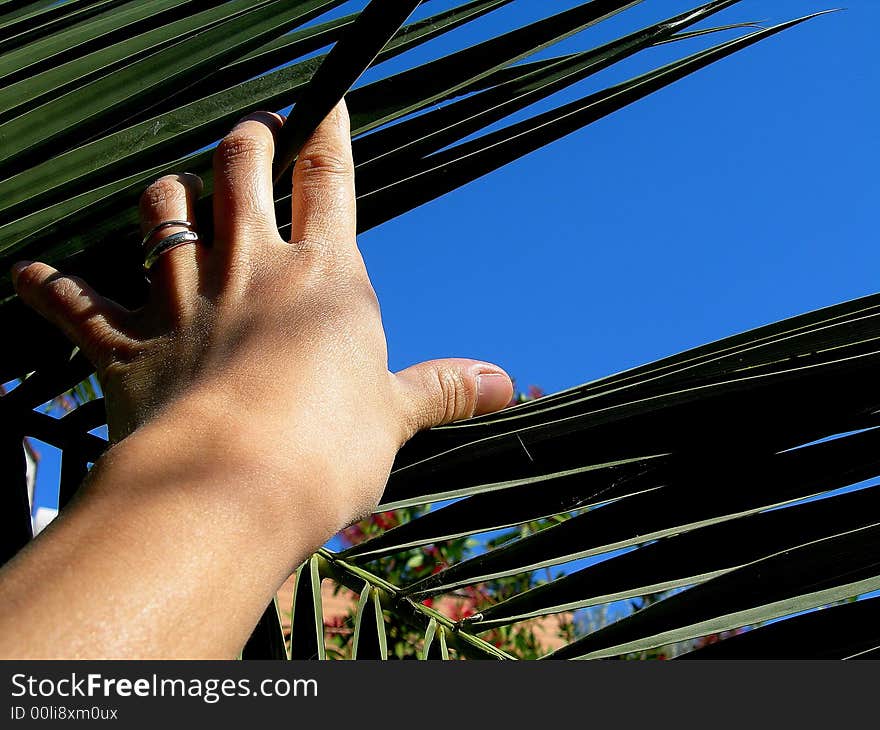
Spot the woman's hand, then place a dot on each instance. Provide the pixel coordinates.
(253, 410)
(279, 343)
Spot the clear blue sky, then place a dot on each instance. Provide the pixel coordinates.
(742, 195)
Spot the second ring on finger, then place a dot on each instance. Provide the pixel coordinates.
(170, 246)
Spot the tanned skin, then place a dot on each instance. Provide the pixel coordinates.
(251, 410)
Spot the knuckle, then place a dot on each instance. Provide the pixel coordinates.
(62, 290)
(324, 161)
(314, 251)
(106, 345)
(454, 395)
(361, 297)
(164, 193)
(245, 144)
(323, 273)
(328, 259)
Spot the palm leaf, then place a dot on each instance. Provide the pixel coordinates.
(343, 66)
(28, 21)
(70, 42)
(174, 132)
(813, 575)
(61, 121)
(306, 617)
(690, 557)
(845, 631)
(267, 641)
(15, 518)
(439, 174)
(724, 477)
(370, 640)
(739, 530)
(512, 88)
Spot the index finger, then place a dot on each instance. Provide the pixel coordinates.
(324, 205)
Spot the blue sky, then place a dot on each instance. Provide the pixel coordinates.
(739, 196)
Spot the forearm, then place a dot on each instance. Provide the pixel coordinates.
(173, 549)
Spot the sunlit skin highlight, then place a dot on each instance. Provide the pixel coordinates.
(251, 408)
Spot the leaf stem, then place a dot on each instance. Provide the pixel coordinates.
(352, 576)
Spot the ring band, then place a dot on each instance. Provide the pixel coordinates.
(162, 226)
(167, 244)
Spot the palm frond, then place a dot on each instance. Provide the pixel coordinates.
(844, 631)
(370, 640)
(306, 616)
(748, 499)
(724, 478)
(267, 641)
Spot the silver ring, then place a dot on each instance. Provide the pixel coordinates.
(162, 226)
(167, 244)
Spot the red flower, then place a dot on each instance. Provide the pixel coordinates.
(535, 392)
(386, 520)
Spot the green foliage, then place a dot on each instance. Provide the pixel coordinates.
(407, 642)
(683, 484)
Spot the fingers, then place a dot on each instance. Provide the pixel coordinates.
(324, 208)
(173, 197)
(443, 391)
(323, 203)
(243, 193)
(90, 321)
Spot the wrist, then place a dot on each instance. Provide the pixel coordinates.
(199, 456)
(178, 514)
(313, 471)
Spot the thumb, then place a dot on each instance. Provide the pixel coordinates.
(443, 391)
(87, 318)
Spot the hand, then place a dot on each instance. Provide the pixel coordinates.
(278, 345)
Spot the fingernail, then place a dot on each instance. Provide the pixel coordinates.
(494, 392)
(18, 267)
(197, 183)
